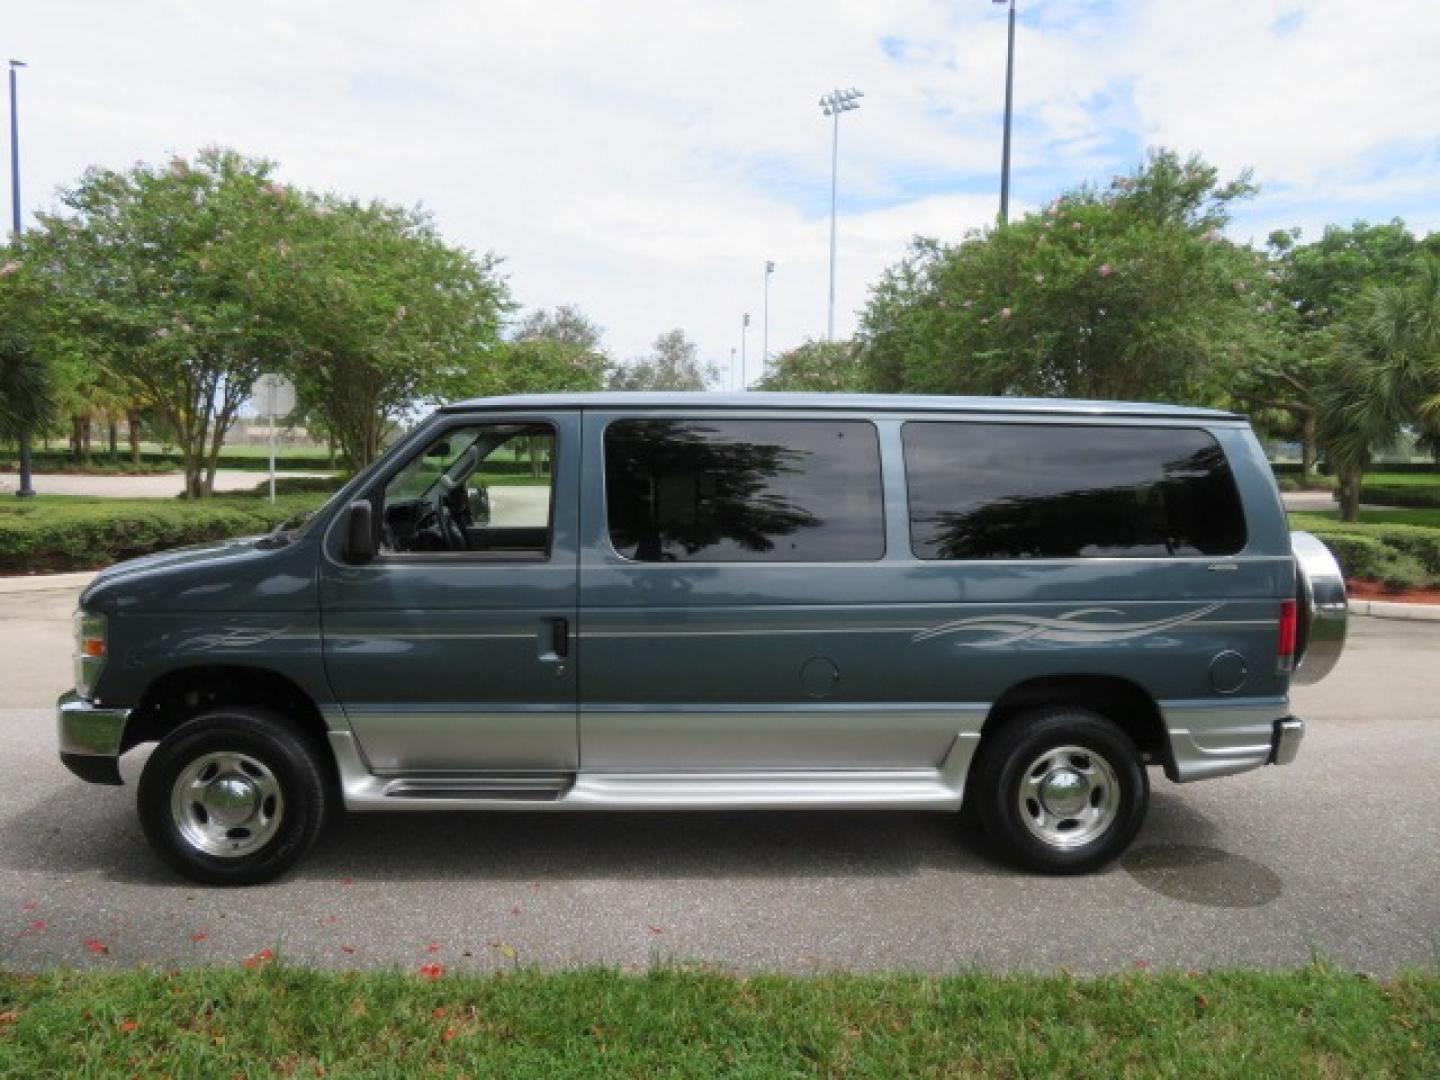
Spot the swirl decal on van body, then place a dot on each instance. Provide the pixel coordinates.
(1069, 628)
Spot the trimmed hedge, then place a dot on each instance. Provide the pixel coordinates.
(1399, 556)
(41, 535)
(299, 485)
(1412, 496)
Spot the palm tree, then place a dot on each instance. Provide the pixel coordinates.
(24, 393)
(1384, 376)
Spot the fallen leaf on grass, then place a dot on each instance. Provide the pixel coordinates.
(96, 946)
(448, 1034)
(432, 972)
(128, 1026)
(255, 960)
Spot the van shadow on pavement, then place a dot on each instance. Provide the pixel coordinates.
(81, 829)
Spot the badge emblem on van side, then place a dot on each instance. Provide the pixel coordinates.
(1072, 628)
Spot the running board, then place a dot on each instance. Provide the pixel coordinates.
(936, 788)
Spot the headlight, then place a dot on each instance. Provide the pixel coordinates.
(89, 651)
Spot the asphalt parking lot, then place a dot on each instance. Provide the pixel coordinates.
(1337, 855)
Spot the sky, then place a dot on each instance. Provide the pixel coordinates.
(643, 160)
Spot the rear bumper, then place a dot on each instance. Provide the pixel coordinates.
(90, 738)
(1285, 744)
(1222, 738)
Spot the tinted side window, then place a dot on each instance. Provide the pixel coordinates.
(744, 490)
(1038, 491)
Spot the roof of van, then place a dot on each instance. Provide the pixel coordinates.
(848, 402)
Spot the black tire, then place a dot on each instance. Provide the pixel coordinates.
(289, 764)
(1000, 769)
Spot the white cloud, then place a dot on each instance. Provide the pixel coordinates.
(643, 159)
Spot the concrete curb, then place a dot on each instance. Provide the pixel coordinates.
(1390, 609)
(1379, 609)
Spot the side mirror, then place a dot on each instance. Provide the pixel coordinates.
(360, 532)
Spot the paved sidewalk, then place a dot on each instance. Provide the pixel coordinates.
(150, 486)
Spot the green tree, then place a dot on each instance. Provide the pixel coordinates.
(26, 381)
(165, 274)
(1127, 292)
(1317, 284)
(829, 366)
(672, 364)
(382, 315)
(550, 352)
(1384, 375)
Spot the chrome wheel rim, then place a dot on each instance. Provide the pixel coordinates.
(227, 804)
(1068, 796)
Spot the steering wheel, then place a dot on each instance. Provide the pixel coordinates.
(450, 530)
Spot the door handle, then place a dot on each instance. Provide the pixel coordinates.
(559, 637)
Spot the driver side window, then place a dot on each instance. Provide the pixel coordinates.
(478, 489)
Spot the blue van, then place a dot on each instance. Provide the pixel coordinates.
(701, 601)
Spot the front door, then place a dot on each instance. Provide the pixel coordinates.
(451, 650)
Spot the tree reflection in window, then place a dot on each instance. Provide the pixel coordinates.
(989, 491)
(743, 490)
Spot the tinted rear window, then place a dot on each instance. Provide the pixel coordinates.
(744, 490)
(1033, 491)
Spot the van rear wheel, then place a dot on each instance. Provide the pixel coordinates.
(233, 797)
(1060, 790)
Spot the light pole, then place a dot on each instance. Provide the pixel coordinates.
(765, 323)
(832, 105)
(1009, 101)
(732, 367)
(744, 333)
(26, 490)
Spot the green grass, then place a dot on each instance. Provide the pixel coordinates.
(1427, 518)
(278, 1021)
(1395, 479)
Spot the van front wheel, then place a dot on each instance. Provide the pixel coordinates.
(1060, 790)
(233, 797)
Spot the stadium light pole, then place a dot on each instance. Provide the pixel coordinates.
(26, 490)
(832, 105)
(765, 323)
(1009, 103)
(744, 333)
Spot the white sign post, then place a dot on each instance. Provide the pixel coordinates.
(274, 395)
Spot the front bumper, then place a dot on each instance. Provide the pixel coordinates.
(1285, 743)
(90, 738)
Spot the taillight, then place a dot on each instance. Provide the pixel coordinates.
(1289, 626)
